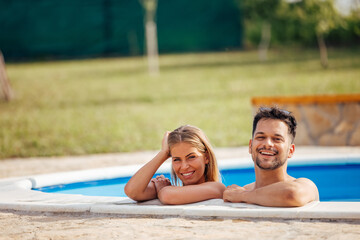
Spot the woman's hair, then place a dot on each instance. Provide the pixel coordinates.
(197, 139)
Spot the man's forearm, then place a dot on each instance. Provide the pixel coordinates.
(275, 195)
(260, 198)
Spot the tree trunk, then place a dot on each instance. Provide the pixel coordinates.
(151, 36)
(4, 81)
(323, 50)
(265, 40)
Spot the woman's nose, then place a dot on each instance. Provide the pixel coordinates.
(184, 164)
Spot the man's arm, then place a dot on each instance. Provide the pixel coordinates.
(295, 193)
(191, 193)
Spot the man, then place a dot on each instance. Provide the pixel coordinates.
(271, 145)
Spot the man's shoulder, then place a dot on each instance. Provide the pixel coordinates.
(303, 180)
(309, 186)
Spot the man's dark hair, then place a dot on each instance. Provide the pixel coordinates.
(279, 114)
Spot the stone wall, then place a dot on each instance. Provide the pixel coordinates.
(330, 120)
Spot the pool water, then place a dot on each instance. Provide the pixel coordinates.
(336, 182)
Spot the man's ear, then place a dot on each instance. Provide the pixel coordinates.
(250, 144)
(291, 150)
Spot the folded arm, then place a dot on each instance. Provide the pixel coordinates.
(191, 193)
(295, 193)
(140, 187)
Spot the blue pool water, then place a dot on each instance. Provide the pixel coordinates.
(336, 182)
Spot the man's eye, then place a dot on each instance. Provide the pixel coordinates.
(192, 156)
(260, 138)
(176, 159)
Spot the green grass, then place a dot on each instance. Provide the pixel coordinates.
(112, 105)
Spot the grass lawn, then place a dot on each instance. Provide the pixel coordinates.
(112, 105)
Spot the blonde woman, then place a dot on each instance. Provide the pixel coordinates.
(194, 170)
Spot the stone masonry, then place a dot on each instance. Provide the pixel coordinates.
(329, 120)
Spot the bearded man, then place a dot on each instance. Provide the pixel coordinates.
(271, 145)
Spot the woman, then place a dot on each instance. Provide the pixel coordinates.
(193, 164)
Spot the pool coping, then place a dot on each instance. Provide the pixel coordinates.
(17, 195)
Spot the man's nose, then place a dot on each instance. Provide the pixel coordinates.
(269, 142)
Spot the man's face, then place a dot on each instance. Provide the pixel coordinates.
(271, 144)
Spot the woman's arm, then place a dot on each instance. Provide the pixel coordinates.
(191, 193)
(139, 187)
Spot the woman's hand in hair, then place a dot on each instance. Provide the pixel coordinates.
(165, 145)
(141, 187)
(160, 182)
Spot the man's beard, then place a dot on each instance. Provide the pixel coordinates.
(276, 163)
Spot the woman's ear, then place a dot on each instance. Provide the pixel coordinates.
(207, 158)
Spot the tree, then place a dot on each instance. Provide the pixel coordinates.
(320, 16)
(150, 7)
(266, 12)
(4, 81)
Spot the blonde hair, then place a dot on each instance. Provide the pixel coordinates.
(198, 139)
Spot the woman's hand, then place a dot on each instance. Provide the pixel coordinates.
(164, 144)
(160, 182)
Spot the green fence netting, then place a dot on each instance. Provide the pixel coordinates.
(33, 29)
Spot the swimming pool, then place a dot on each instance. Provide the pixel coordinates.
(337, 180)
(18, 194)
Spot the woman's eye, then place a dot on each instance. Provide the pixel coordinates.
(176, 160)
(191, 157)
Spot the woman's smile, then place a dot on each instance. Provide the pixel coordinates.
(188, 163)
(188, 174)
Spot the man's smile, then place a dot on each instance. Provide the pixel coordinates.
(268, 152)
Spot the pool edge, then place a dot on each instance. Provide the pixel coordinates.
(18, 196)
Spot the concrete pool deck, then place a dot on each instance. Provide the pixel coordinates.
(16, 193)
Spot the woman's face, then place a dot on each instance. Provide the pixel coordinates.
(188, 163)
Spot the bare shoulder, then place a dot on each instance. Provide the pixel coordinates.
(305, 181)
(300, 181)
(308, 186)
